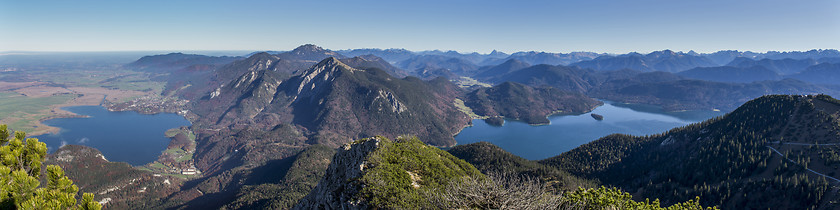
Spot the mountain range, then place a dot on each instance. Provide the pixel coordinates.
(782, 66)
(273, 126)
(731, 74)
(666, 60)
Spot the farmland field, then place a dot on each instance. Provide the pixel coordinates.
(29, 96)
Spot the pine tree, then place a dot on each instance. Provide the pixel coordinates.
(20, 171)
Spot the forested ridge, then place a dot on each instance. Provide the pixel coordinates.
(727, 161)
(405, 173)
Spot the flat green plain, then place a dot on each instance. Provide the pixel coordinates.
(23, 113)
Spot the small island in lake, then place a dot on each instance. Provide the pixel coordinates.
(597, 116)
(495, 121)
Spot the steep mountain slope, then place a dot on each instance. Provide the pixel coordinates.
(337, 102)
(731, 74)
(455, 65)
(390, 55)
(728, 161)
(667, 60)
(342, 103)
(825, 73)
(532, 105)
(829, 60)
(173, 61)
(561, 77)
(117, 185)
(489, 73)
(428, 73)
(371, 61)
(181, 70)
(470, 58)
(489, 158)
(194, 85)
(657, 88)
(309, 52)
(380, 173)
(236, 159)
(268, 191)
(782, 66)
(726, 56)
(698, 94)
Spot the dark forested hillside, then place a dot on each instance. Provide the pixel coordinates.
(729, 161)
(699, 94)
(561, 77)
(270, 187)
(93, 173)
(488, 73)
(731, 74)
(489, 158)
(429, 62)
(671, 91)
(783, 66)
(390, 55)
(173, 61)
(532, 105)
(825, 73)
(373, 62)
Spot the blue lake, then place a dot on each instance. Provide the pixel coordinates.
(569, 131)
(121, 136)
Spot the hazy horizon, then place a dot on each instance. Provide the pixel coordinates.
(230, 52)
(463, 26)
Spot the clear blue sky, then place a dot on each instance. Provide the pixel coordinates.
(463, 25)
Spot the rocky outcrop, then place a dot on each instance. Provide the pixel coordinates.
(378, 173)
(338, 189)
(311, 82)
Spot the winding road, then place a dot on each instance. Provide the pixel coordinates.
(812, 171)
(805, 144)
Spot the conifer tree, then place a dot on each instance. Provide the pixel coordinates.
(20, 172)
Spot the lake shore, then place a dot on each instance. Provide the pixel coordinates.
(567, 131)
(57, 98)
